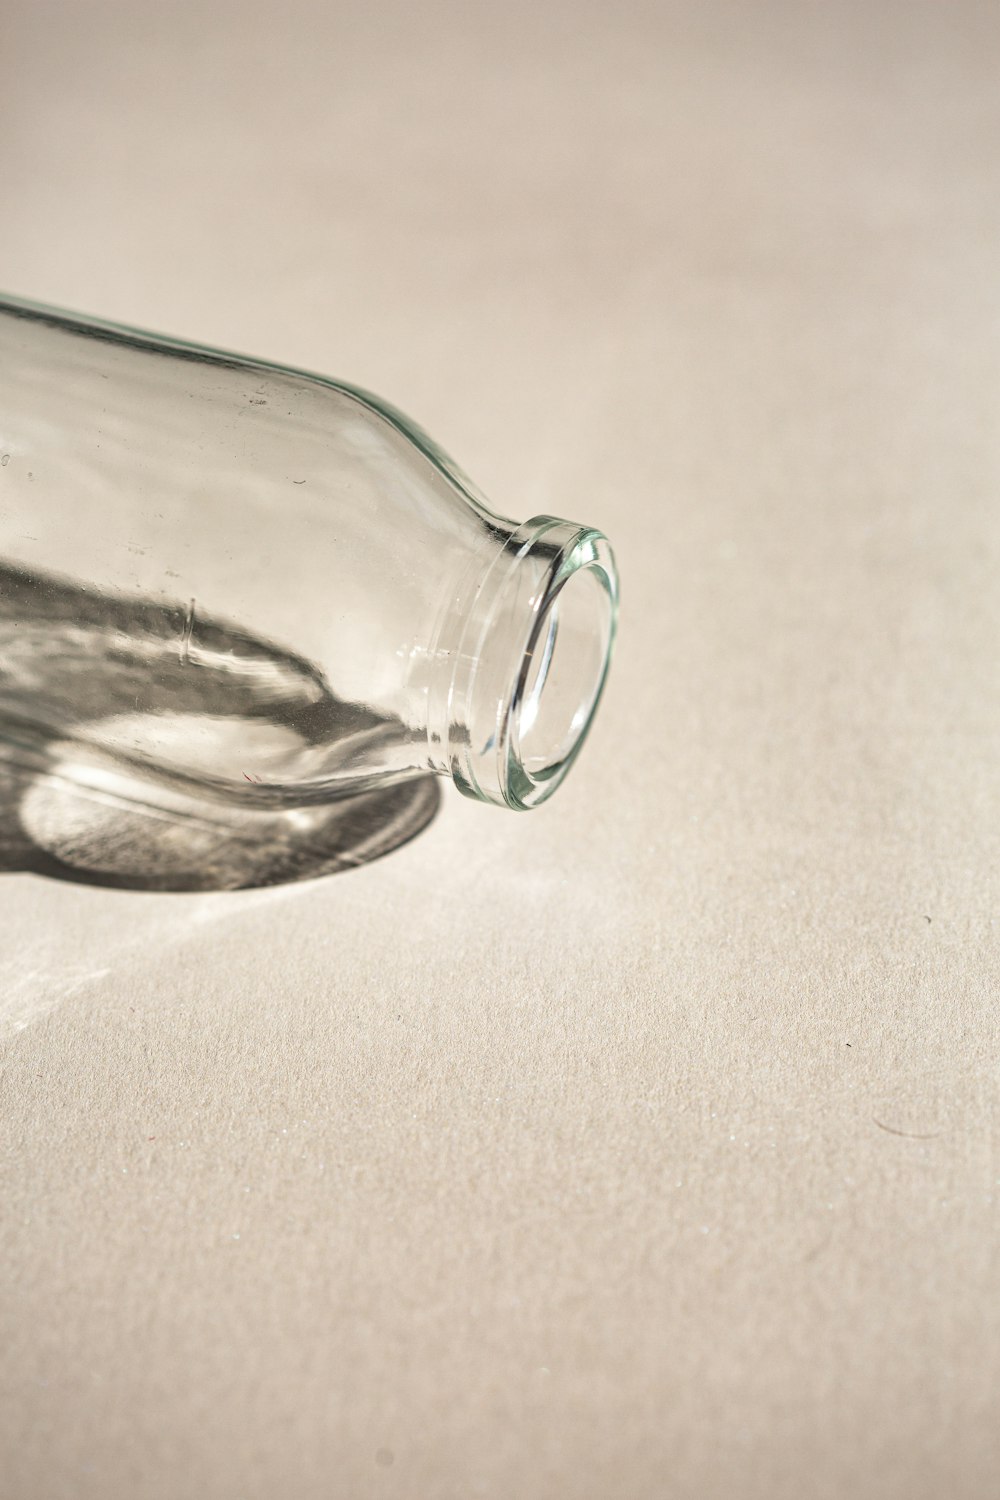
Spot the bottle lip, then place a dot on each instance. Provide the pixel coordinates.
(533, 662)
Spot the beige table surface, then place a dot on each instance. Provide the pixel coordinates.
(645, 1146)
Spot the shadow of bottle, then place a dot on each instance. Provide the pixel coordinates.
(71, 658)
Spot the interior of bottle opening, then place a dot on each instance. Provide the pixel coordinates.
(564, 674)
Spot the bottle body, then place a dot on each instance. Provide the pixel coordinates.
(269, 586)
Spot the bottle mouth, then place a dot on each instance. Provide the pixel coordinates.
(525, 694)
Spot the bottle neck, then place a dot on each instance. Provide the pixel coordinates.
(520, 661)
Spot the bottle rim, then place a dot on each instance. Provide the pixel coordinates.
(533, 663)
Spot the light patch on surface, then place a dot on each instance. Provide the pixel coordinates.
(29, 991)
(32, 986)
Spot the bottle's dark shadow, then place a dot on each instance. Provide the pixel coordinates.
(70, 657)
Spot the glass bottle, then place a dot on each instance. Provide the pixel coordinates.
(264, 586)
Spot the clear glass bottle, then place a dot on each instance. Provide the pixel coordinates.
(226, 576)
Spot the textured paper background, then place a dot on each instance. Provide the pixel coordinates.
(647, 1145)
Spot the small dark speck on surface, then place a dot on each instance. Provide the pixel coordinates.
(910, 1135)
(5, 459)
(927, 919)
(298, 481)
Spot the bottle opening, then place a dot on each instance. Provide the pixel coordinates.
(529, 687)
(561, 679)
